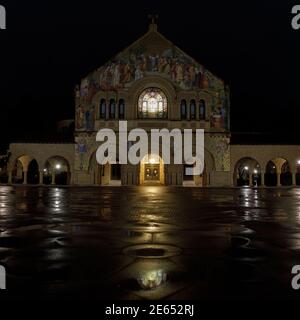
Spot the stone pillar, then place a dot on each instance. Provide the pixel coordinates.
(41, 176)
(117, 110)
(53, 177)
(107, 111)
(262, 179)
(278, 179)
(294, 178)
(25, 177)
(9, 176)
(250, 180)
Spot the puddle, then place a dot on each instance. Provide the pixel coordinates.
(151, 251)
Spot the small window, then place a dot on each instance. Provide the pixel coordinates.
(112, 108)
(121, 109)
(183, 109)
(193, 109)
(102, 109)
(202, 111)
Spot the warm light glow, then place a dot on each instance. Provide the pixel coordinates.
(246, 168)
(152, 279)
(298, 161)
(152, 160)
(255, 171)
(58, 166)
(45, 170)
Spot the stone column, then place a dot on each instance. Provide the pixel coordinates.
(117, 110)
(188, 113)
(41, 176)
(9, 176)
(262, 179)
(294, 178)
(25, 177)
(278, 179)
(53, 177)
(250, 180)
(107, 111)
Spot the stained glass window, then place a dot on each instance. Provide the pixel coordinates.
(152, 104)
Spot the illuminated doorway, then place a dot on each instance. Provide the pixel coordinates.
(152, 170)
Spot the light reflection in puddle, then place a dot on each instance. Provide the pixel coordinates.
(150, 280)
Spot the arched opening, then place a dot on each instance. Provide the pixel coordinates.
(271, 176)
(102, 109)
(121, 109)
(247, 172)
(285, 175)
(193, 109)
(278, 173)
(24, 170)
(33, 172)
(112, 108)
(57, 171)
(152, 170)
(202, 110)
(183, 110)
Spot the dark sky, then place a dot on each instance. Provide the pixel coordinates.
(50, 45)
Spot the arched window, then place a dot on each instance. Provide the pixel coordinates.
(202, 109)
(152, 104)
(102, 109)
(193, 109)
(112, 108)
(121, 109)
(183, 109)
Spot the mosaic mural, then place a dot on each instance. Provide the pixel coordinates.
(219, 147)
(136, 64)
(142, 60)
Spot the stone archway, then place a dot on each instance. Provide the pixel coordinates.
(25, 169)
(247, 172)
(57, 171)
(278, 173)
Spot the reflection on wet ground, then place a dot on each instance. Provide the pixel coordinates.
(149, 242)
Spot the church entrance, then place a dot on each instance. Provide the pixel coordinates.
(152, 172)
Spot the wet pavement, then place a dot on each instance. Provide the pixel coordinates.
(149, 242)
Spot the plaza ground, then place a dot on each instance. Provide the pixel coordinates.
(149, 242)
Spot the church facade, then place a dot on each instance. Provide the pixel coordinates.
(153, 84)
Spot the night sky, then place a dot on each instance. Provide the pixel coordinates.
(49, 46)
